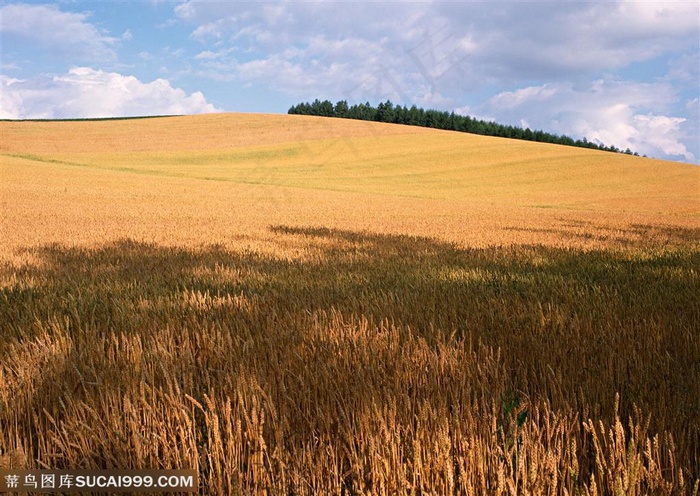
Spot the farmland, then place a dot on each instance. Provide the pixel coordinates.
(292, 304)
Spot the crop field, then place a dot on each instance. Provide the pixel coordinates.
(300, 305)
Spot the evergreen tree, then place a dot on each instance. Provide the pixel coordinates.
(325, 109)
(414, 116)
(400, 115)
(385, 112)
(316, 107)
(341, 109)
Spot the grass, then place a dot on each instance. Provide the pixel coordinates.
(304, 340)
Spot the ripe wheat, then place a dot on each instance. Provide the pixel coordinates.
(279, 339)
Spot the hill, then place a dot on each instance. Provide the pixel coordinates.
(339, 173)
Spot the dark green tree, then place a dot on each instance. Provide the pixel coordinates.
(414, 116)
(385, 112)
(341, 109)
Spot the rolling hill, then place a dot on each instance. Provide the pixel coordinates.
(266, 169)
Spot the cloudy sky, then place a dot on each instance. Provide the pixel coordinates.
(622, 73)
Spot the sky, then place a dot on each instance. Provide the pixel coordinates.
(622, 73)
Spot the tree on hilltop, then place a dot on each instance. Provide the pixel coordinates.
(414, 116)
(341, 109)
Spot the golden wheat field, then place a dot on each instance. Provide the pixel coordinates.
(304, 305)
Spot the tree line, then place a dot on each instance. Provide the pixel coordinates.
(415, 116)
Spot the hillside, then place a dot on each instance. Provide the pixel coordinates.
(299, 305)
(265, 169)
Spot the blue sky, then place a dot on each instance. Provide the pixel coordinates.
(621, 73)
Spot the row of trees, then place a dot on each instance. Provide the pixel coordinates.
(414, 116)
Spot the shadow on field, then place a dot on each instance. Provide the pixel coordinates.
(633, 235)
(574, 327)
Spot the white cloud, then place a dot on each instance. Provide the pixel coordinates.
(10, 100)
(207, 55)
(344, 50)
(554, 40)
(57, 31)
(430, 51)
(84, 92)
(661, 133)
(623, 114)
(514, 99)
(656, 19)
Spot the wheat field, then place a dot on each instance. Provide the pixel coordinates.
(299, 305)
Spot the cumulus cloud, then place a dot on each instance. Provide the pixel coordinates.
(57, 31)
(661, 132)
(551, 40)
(623, 114)
(440, 47)
(326, 50)
(324, 66)
(85, 92)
